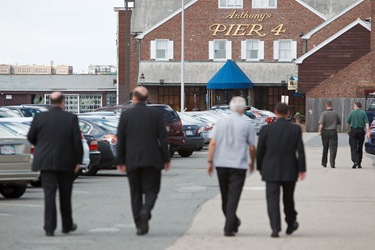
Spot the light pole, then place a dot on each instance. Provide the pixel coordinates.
(182, 56)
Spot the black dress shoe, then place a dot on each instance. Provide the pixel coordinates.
(359, 166)
(72, 229)
(229, 234)
(354, 165)
(143, 223)
(333, 167)
(324, 165)
(49, 234)
(292, 228)
(275, 234)
(238, 225)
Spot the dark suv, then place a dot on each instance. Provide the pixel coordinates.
(172, 121)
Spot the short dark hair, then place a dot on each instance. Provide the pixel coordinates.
(358, 104)
(329, 104)
(282, 108)
(58, 99)
(140, 97)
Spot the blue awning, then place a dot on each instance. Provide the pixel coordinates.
(230, 76)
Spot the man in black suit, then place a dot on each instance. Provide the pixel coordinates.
(281, 161)
(142, 153)
(58, 155)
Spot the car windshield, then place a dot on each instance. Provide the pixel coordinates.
(107, 125)
(169, 114)
(15, 128)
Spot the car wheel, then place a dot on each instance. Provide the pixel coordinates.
(37, 183)
(89, 170)
(171, 152)
(185, 153)
(12, 192)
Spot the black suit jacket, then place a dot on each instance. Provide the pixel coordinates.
(280, 152)
(142, 138)
(57, 139)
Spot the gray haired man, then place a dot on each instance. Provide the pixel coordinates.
(231, 142)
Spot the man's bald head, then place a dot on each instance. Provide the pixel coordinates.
(57, 98)
(140, 94)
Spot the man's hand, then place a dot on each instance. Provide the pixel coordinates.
(210, 168)
(121, 168)
(368, 134)
(77, 168)
(301, 176)
(167, 166)
(251, 165)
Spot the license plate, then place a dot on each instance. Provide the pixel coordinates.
(189, 132)
(7, 150)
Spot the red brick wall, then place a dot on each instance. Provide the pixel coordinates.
(333, 57)
(127, 69)
(361, 11)
(201, 15)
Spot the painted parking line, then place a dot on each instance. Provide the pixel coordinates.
(20, 205)
(4, 215)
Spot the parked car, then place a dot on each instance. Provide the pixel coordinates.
(20, 127)
(26, 111)
(194, 139)
(104, 130)
(15, 164)
(206, 128)
(172, 121)
(6, 113)
(46, 106)
(370, 143)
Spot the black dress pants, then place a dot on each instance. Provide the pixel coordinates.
(330, 141)
(144, 189)
(273, 203)
(231, 182)
(356, 140)
(51, 181)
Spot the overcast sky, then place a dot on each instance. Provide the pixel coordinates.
(72, 32)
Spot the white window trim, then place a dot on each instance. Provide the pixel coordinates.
(228, 50)
(170, 49)
(260, 50)
(293, 50)
(266, 7)
(226, 7)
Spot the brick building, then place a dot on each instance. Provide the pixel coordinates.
(263, 37)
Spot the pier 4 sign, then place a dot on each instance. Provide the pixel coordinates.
(245, 29)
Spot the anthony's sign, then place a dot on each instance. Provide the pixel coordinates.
(245, 29)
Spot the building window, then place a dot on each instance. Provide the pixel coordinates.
(162, 49)
(285, 50)
(252, 50)
(264, 4)
(230, 4)
(220, 50)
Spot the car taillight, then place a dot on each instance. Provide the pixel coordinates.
(93, 146)
(200, 130)
(268, 119)
(32, 149)
(111, 139)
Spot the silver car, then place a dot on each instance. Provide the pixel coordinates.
(15, 164)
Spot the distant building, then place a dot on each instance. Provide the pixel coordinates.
(83, 93)
(102, 69)
(7, 69)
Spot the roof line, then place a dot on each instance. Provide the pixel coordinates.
(330, 39)
(142, 35)
(321, 26)
(319, 14)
